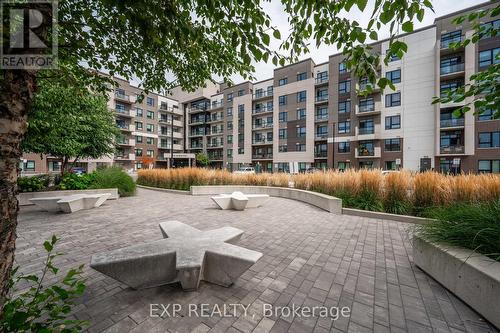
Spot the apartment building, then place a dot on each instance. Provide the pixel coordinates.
(313, 115)
(151, 135)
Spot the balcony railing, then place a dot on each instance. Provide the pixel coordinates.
(320, 117)
(163, 145)
(362, 151)
(320, 136)
(216, 157)
(446, 43)
(262, 110)
(216, 105)
(197, 133)
(216, 118)
(366, 108)
(362, 131)
(126, 113)
(320, 154)
(261, 141)
(452, 149)
(262, 125)
(122, 97)
(196, 146)
(262, 156)
(126, 127)
(321, 98)
(197, 121)
(320, 80)
(454, 122)
(216, 131)
(126, 142)
(452, 69)
(215, 144)
(262, 94)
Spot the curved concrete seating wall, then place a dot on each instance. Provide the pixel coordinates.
(323, 201)
(24, 198)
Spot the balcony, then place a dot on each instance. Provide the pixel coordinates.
(124, 113)
(262, 156)
(262, 141)
(321, 117)
(262, 94)
(196, 110)
(451, 69)
(364, 152)
(216, 105)
(321, 80)
(262, 125)
(197, 133)
(216, 144)
(454, 122)
(196, 121)
(125, 157)
(126, 142)
(195, 145)
(216, 131)
(164, 145)
(321, 99)
(263, 109)
(214, 119)
(364, 131)
(126, 127)
(123, 97)
(321, 154)
(445, 44)
(320, 136)
(216, 157)
(367, 109)
(452, 150)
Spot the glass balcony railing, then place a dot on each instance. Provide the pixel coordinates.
(262, 109)
(445, 43)
(366, 108)
(452, 149)
(369, 130)
(321, 79)
(262, 156)
(321, 98)
(262, 125)
(320, 117)
(262, 94)
(450, 69)
(320, 154)
(454, 122)
(363, 151)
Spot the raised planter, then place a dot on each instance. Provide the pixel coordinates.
(24, 198)
(385, 216)
(472, 277)
(323, 201)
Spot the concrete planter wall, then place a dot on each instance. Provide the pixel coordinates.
(24, 198)
(472, 277)
(323, 201)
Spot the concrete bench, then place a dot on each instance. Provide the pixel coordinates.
(239, 201)
(71, 203)
(186, 255)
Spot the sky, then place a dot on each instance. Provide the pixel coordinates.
(319, 55)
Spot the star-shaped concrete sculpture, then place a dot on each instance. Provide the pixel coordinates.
(186, 255)
(240, 201)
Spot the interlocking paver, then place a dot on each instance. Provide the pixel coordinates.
(310, 258)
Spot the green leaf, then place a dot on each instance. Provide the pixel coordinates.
(407, 26)
(277, 34)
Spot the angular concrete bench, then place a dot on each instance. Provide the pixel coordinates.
(186, 255)
(240, 201)
(71, 203)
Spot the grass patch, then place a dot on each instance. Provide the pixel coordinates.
(114, 177)
(475, 226)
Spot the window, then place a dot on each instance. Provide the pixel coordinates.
(229, 153)
(393, 99)
(342, 68)
(150, 141)
(366, 105)
(322, 95)
(390, 165)
(138, 139)
(259, 93)
(343, 165)
(270, 90)
(344, 87)
(241, 92)
(345, 106)
(229, 139)
(486, 115)
(488, 28)
(393, 57)
(29, 165)
(392, 145)
(322, 131)
(229, 111)
(450, 37)
(150, 101)
(283, 148)
(54, 166)
(322, 113)
(301, 96)
(139, 112)
(150, 128)
(394, 76)
(229, 125)
(392, 122)
(300, 147)
(138, 152)
(301, 132)
(150, 153)
(301, 114)
(488, 166)
(366, 148)
(344, 127)
(269, 106)
(322, 77)
(150, 115)
(282, 100)
(450, 86)
(241, 137)
(138, 125)
(241, 151)
(489, 140)
(138, 165)
(283, 81)
(241, 108)
(489, 57)
(282, 133)
(283, 116)
(451, 65)
(366, 126)
(120, 107)
(301, 76)
(344, 147)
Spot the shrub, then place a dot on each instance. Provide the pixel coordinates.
(114, 177)
(475, 226)
(33, 183)
(73, 181)
(45, 306)
(396, 198)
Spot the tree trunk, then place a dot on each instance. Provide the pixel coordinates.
(16, 94)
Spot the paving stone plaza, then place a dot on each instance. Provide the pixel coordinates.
(311, 259)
